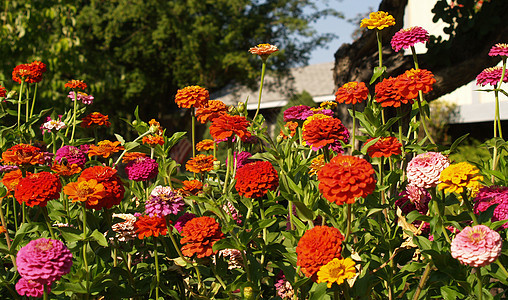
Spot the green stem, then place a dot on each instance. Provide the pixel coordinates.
(502, 268)
(423, 279)
(263, 69)
(85, 261)
(48, 222)
(262, 214)
(290, 210)
(348, 228)
(27, 104)
(33, 101)
(415, 58)
(125, 151)
(19, 101)
(15, 213)
(193, 131)
(157, 274)
(53, 142)
(353, 142)
(45, 295)
(440, 213)
(480, 283)
(465, 199)
(228, 166)
(75, 105)
(379, 47)
(423, 118)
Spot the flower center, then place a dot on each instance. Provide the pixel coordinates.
(350, 86)
(84, 188)
(476, 236)
(44, 245)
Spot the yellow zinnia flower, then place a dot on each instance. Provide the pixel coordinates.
(337, 270)
(456, 177)
(379, 20)
(316, 164)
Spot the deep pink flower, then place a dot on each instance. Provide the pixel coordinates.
(142, 169)
(233, 212)
(476, 246)
(70, 155)
(490, 76)
(414, 198)
(408, 37)
(488, 196)
(424, 169)
(163, 201)
(299, 112)
(500, 49)
(31, 288)
(182, 220)
(44, 260)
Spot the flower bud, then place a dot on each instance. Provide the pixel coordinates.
(248, 292)
(241, 107)
(216, 165)
(135, 122)
(280, 138)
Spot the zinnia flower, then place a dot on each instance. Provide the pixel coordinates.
(89, 191)
(231, 210)
(414, 81)
(95, 119)
(200, 163)
(3, 92)
(316, 164)
(38, 189)
(182, 220)
(70, 155)
(456, 177)
(476, 246)
(147, 226)
(205, 145)
(328, 105)
(51, 124)
(325, 132)
(227, 126)
(298, 112)
(500, 49)
(129, 156)
(44, 261)
(80, 96)
(493, 195)
(105, 148)
(388, 95)
(263, 50)
(113, 186)
(192, 96)
(65, 169)
(255, 179)
(425, 168)
(125, 231)
(212, 110)
(346, 178)
(290, 127)
(31, 288)
(199, 235)
(142, 169)
(284, 288)
(233, 257)
(490, 76)
(378, 20)
(241, 158)
(337, 270)
(163, 201)
(30, 73)
(23, 154)
(408, 37)
(12, 178)
(317, 247)
(352, 93)
(192, 187)
(76, 84)
(384, 147)
(153, 140)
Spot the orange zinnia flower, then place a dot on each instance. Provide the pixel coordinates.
(291, 126)
(346, 178)
(201, 163)
(2, 229)
(352, 93)
(63, 169)
(263, 50)
(205, 145)
(255, 179)
(105, 148)
(317, 247)
(153, 140)
(113, 187)
(384, 147)
(127, 157)
(192, 96)
(191, 187)
(413, 81)
(147, 226)
(95, 119)
(388, 95)
(23, 154)
(199, 236)
(212, 110)
(31, 73)
(226, 127)
(76, 84)
(83, 190)
(321, 132)
(12, 178)
(38, 189)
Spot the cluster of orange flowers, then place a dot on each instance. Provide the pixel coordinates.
(23, 154)
(211, 110)
(76, 84)
(290, 126)
(95, 119)
(31, 73)
(105, 148)
(404, 88)
(200, 163)
(157, 138)
(99, 178)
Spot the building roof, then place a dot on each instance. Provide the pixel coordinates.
(315, 79)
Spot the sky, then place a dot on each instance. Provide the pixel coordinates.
(341, 27)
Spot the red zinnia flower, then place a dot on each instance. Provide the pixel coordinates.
(321, 132)
(31, 73)
(413, 81)
(388, 95)
(201, 163)
(317, 247)
(147, 226)
(263, 50)
(38, 189)
(385, 146)
(23, 154)
(153, 140)
(127, 157)
(255, 179)
(3, 92)
(76, 84)
(346, 178)
(192, 96)
(226, 126)
(291, 126)
(199, 236)
(95, 119)
(212, 110)
(65, 169)
(352, 93)
(113, 186)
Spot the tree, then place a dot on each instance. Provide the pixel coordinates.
(140, 52)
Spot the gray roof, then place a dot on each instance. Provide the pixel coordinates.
(316, 79)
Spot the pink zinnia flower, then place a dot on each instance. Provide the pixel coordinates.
(44, 260)
(284, 288)
(299, 112)
(424, 169)
(125, 230)
(31, 288)
(84, 98)
(142, 169)
(51, 124)
(490, 76)
(414, 198)
(488, 196)
(233, 212)
(71, 155)
(163, 201)
(500, 49)
(476, 246)
(182, 220)
(408, 37)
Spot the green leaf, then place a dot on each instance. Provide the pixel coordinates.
(450, 292)
(265, 223)
(99, 238)
(303, 211)
(120, 139)
(130, 145)
(71, 234)
(378, 71)
(226, 243)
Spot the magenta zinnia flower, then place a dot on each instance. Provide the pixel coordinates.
(31, 288)
(408, 37)
(71, 155)
(142, 169)
(476, 246)
(163, 201)
(500, 49)
(424, 169)
(44, 260)
(488, 196)
(490, 76)
(299, 112)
